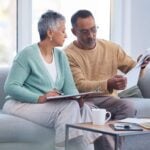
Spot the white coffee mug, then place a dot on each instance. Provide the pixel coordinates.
(100, 116)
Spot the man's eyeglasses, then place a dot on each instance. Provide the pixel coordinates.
(87, 31)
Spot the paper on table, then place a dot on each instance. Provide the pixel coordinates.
(135, 120)
(143, 122)
(133, 75)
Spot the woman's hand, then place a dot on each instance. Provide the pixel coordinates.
(43, 98)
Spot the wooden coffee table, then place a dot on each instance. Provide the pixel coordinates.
(104, 129)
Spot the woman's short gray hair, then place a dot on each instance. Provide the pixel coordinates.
(49, 20)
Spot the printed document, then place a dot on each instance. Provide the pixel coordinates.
(133, 75)
(143, 122)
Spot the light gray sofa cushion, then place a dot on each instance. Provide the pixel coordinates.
(3, 74)
(14, 129)
(144, 83)
(142, 105)
(19, 134)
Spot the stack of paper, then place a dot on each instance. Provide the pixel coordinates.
(144, 122)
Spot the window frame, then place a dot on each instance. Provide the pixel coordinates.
(24, 23)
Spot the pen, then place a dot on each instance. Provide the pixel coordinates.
(124, 126)
(58, 92)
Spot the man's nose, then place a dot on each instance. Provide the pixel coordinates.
(90, 34)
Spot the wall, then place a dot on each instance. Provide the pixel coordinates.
(130, 25)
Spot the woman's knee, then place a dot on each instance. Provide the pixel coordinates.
(74, 105)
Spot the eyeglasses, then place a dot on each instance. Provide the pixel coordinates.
(87, 31)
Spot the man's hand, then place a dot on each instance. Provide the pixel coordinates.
(145, 61)
(118, 82)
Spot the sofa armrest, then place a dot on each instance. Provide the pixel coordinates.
(3, 74)
(144, 82)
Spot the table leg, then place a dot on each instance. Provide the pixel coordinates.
(66, 137)
(116, 142)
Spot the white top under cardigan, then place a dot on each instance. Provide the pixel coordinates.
(50, 67)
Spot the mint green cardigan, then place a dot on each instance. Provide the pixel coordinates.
(28, 78)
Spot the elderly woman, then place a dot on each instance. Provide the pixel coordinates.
(39, 71)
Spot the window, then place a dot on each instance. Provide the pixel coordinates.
(7, 31)
(18, 22)
(99, 8)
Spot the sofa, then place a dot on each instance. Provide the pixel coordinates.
(141, 142)
(19, 134)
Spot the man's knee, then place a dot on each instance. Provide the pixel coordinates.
(129, 108)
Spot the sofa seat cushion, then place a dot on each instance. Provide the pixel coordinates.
(142, 105)
(15, 129)
(3, 74)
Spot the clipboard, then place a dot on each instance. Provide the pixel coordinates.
(75, 96)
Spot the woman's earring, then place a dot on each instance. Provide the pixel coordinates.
(50, 38)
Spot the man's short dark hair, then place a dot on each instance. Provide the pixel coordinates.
(80, 14)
